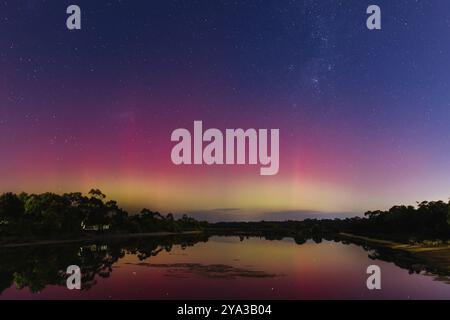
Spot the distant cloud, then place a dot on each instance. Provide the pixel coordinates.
(236, 214)
(302, 215)
(225, 209)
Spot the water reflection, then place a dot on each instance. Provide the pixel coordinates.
(39, 267)
(219, 271)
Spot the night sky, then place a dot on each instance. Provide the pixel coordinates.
(364, 116)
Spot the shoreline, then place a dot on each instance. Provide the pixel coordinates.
(97, 237)
(436, 256)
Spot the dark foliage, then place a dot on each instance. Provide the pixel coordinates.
(51, 215)
(427, 221)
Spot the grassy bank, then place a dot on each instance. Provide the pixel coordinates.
(437, 256)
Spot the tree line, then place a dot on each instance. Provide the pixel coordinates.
(49, 214)
(428, 220)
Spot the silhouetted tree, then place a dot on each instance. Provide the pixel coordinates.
(11, 207)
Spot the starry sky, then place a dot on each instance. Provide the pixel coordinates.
(364, 116)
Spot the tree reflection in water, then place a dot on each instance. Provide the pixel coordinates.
(36, 267)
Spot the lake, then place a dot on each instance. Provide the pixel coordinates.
(216, 267)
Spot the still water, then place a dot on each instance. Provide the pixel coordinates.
(211, 268)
